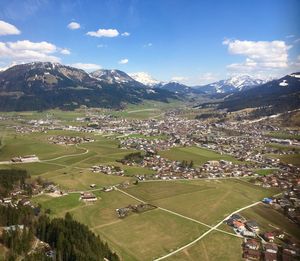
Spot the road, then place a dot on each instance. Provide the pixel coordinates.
(180, 215)
(206, 233)
(69, 155)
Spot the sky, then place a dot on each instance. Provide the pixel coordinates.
(191, 41)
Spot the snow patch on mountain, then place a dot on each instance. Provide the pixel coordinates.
(112, 76)
(144, 78)
(283, 83)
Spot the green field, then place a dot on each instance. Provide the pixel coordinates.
(151, 234)
(208, 201)
(36, 143)
(59, 205)
(198, 155)
(147, 109)
(264, 171)
(283, 135)
(290, 159)
(284, 147)
(215, 246)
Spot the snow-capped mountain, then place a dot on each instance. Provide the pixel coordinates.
(144, 78)
(281, 95)
(233, 84)
(175, 87)
(112, 76)
(46, 85)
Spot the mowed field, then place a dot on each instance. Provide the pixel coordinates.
(208, 201)
(141, 236)
(215, 246)
(198, 155)
(69, 166)
(155, 233)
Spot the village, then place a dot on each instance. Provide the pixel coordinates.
(249, 144)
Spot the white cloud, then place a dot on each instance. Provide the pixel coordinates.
(86, 66)
(178, 79)
(65, 52)
(8, 29)
(43, 47)
(148, 45)
(27, 51)
(206, 78)
(123, 61)
(297, 40)
(260, 55)
(125, 34)
(104, 33)
(290, 36)
(101, 45)
(73, 26)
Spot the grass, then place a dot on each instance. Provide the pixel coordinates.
(76, 179)
(263, 172)
(147, 109)
(198, 155)
(34, 169)
(58, 205)
(284, 147)
(151, 234)
(283, 135)
(102, 212)
(208, 201)
(159, 137)
(214, 247)
(290, 159)
(20, 145)
(268, 218)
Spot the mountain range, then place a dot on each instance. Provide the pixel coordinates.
(45, 85)
(281, 95)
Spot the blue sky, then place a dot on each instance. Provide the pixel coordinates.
(194, 42)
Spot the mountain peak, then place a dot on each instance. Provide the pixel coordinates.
(232, 84)
(144, 78)
(112, 76)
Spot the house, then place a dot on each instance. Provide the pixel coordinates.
(29, 158)
(271, 248)
(122, 212)
(289, 255)
(251, 244)
(251, 254)
(14, 227)
(269, 236)
(88, 197)
(252, 226)
(267, 200)
(238, 225)
(270, 256)
(247, 233)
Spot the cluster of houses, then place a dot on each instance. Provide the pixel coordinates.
(268, 246)
(68, 140)
(108, 169)
(167, 169)
(288, 180)
(139, 208)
